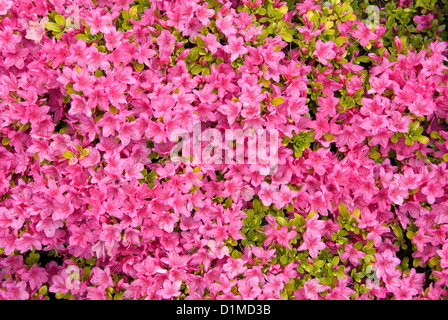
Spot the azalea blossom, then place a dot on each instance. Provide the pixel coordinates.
(102, 198)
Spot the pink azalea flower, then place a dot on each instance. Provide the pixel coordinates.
(267, 193)
(36, 276)
(312, 243)
(312, 288)
(16, 290)
(5, 5)
(364, 34)
(324, 51)
(235, 48)
(234, 267)
(423, 21)
(386, 263)
(432, 191)
(379, 85)
(211, 42)
(249, 288)
(225, 25)
(443, 254)
(98, 22)
(170, 289)
(9, 40)
(352, 254)
(101, 277)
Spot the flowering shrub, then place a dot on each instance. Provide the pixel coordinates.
(93, 206)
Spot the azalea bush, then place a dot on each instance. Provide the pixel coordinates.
(93, 205)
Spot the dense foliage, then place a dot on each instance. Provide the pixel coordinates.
(93, 207)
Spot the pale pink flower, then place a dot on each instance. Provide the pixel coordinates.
(170, 289)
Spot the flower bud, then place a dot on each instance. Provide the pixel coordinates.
(184, 54)
(398, 43)
(153, 31)
(164, 24)
(378, 44)
(178, 45)
(374, 57)
(225, 8)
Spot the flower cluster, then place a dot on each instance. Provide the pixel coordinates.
(92, 206)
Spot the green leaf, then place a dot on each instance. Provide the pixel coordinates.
(319, 263)
(328, 136)
(375, 155)
(433, 261)
(390, 21)
(67, 154)
(340, 41)
(277, 101)
(199, 41)
(345, 6)
(308, 268)
(290, 207)
(335, 260)
(43, 290)
(277, 13)
(358, 245)
(139, 66)
(284, 260)
(257, 205)
(6, 141)
(60, 20)
(394, 138)
(409, 141)
(194, 54)
(284, 9)
(196, 69)
(261, 11)
(286, 36)
(342, 209)
(282, 220)
(53, 27)
(364, 59)
(421, 139)
(435, 135)
(236, 254)
(418, 131)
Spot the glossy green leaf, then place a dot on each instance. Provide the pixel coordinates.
(277, 101)
(67, 154)
(59, 19)
(53, 27)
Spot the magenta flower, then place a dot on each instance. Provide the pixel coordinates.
(170, 289)
(8, 40)
(364, 34)
(324, 51)
(235, 48)
(312, 288)
(312, 243)
(98, 22)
